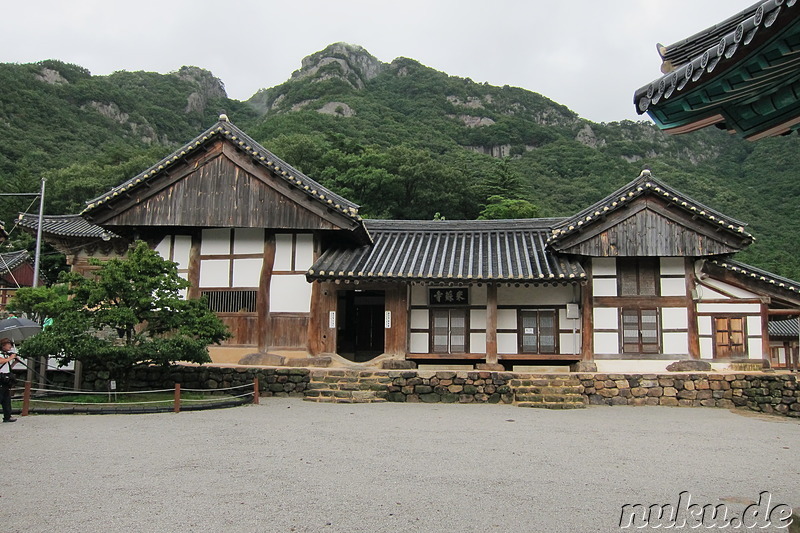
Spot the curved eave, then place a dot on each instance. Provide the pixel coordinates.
(747, 79)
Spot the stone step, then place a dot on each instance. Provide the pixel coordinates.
(552, 405)
(549, 390)
(340, 396)
(553, 398)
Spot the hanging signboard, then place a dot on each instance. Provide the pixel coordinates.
(448, 296)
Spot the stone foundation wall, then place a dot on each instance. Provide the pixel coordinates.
(764, 392)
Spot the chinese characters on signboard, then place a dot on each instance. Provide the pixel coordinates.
(449, 296)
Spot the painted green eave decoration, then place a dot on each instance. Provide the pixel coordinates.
(747, 83)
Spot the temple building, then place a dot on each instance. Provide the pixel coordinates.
(642, 278)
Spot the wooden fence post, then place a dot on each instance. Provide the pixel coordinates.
(177, 407)
(255, 391)
(26, 398)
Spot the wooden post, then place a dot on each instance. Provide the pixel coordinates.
(765, 333)
(177, 407)
(691, 310)
(321, 337)
(255, 391)
(491, 323)
(26, 399)
(396, 339)
(194, 268)
(587, 315)
(263, 325)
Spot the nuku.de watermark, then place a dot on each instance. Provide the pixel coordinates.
(688, 515)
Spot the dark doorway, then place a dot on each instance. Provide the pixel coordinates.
(359, 324)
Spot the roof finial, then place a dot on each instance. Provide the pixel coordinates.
(223, 118)
(645, 173)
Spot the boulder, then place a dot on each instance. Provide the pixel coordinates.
(397, 364)
(583, 366)
(690, 365)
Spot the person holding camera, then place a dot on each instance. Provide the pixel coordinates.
(7, 359)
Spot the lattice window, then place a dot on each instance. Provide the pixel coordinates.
(640, 331)
(729, 336)
(538, 331)
(232, 301)
(638, 276)
(449, 330)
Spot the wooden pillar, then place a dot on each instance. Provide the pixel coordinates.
(321, 337)
(491, 323)
(691, 309)
(587, 316)
(396, 335)
(765, 332)
(263, 325)
(194, 268)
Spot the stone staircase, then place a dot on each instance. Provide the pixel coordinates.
(344, 386)
(549, 392)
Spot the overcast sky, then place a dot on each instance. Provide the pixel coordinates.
(589, 55)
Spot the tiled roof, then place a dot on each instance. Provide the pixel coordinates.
(259, 154)
(66, 226)
(783, 328)
(758, 274)
(11, 260)
(752, 60)
(645, 184)
(451, 251)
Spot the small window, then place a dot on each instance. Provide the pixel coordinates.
(640, 331)
(729, 336)
(448, 330)
(231, 301)
(538, 331)
(638, 276)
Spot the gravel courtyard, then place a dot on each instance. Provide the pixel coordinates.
(289, 465)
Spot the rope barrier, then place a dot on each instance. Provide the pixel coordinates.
(250, 385)
(218, 399)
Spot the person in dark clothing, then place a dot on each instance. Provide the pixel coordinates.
(7, 359)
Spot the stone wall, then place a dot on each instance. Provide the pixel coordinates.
(758, 391)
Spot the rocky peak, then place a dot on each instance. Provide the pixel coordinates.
(208, 87)
(349, 62)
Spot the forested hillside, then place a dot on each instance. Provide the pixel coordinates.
(401, 139)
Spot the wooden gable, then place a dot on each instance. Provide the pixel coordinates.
(219, 187)
(650, 226)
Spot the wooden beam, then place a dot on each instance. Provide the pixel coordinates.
(263, 323)
(587, 315)
(491, 323)
(784, 312)
(691, 309)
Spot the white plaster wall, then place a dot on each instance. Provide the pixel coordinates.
(643, 366)
(730, 289)
(754, 325)
(247, 272)
(183, 245)
(568, 323)
(604, 287)
(707, 293)
(419, 319)
(418, 343)
(477, 342)
(729, 308)
(477, 295)
(290, 294)
(675, 343)
(754, 348)
(477, 318)
(673, 287)
(215, 241)
(215, 272)
(672, 266)
(569, 343)
(604, 266)
(304, 254)
(674, 318)
(606, 343)
(534, 295)
(163, 248)
(506, 319)
(283, 252)
(248, 241)
(707, 348)
(507, 343)
(606, 318)
(704, 325)
(419, 295)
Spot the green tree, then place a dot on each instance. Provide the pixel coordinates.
(501, 208)
(129, 313)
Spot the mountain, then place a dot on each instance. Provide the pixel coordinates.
(401, 139)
